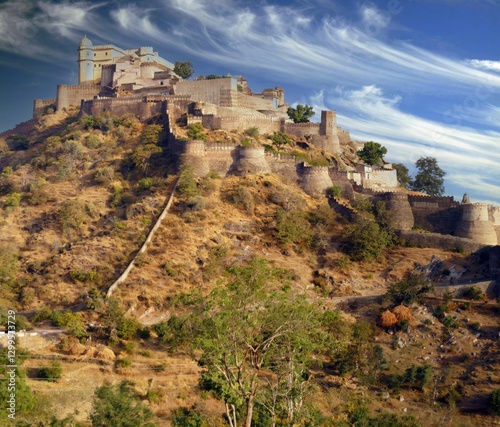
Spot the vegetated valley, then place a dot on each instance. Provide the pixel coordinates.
(254, 304)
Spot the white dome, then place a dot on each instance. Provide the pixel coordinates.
(85, 42)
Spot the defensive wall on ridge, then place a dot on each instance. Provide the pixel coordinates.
(73, 95)
(40, 105)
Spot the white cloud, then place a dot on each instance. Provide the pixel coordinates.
(461, 151)
(484, 64)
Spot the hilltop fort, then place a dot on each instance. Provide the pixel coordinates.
(138, 81)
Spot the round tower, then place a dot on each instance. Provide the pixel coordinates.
(401, 214)
(85, 61)
(475, 224)
(316, 180)
(252, 160)
(194, 156)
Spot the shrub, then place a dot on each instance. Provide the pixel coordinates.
(184, 417)
(124, 362)
(252, 132)
(119, 406)
(18, 142)
(293, 228)
(196, 203)
(411, 289)
(472, 293)
(417, 376)
(145, 183)
(73, 213)
(12, 200)
(104, 176)
(495, 402)
(334, 191)
(365, 240)
(195, 131)
(244, 197)
(93, 141)
(51, 373)
(7, 171)
(449, 322)
(187, 182)
(82, 275)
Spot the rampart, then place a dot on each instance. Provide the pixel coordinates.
(143, 107)
(435, 214)
(440, 241)
(73, 95)
(23, 128)
(316, 180)
(40, 105)
(475, 224)
(218, 91)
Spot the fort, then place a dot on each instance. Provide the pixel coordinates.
(139, 82)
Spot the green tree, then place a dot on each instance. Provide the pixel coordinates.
(184, 69)
(372, 153)
(195, 131)
(430, 177)
(280, 139)
(365, 239)
(495, 401)
(119, 406)
(411, 289)
(403, 174)
(248, 328)
(301, 114)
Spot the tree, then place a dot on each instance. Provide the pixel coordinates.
(301, 114)
(119, 406)
(258, 344)
(430, 177)
(366, 240)
(372, 153)
(403, 174)
(411, 289)
(184, 69)
(280, 139)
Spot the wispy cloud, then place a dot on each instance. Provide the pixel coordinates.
(461, 152)
(483, 64)
(33, 28)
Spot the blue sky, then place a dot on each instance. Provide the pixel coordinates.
(422, 77)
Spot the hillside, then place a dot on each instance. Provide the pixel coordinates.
(79, 199)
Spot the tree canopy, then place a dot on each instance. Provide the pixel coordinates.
(403, 174)
(184, 69)
(372, 153)
(301, 114)
(251, 328)
(430, 177)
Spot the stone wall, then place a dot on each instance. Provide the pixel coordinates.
(400, 210)
(440, 241)
(252, 101)
(383, 179)
(39, 106)
(73, 95)
(23, 128)
(436, 214)
(475, 224)
(143, 107)
(217, 91)
(341, 178)
(300, 129)
(316, 180)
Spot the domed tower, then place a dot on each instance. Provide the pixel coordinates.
(85, 61)
(476, 225)
(400, 210)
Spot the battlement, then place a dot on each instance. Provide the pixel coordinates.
(315, 169)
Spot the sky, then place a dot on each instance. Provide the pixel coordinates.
(421, 77)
